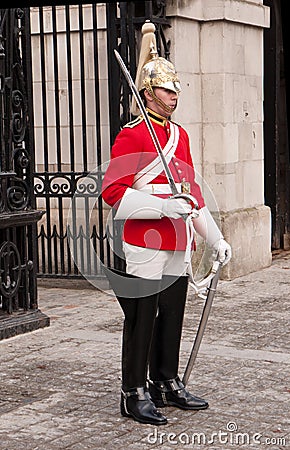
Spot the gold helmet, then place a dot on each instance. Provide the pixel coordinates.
(153, 70)
(159, 72)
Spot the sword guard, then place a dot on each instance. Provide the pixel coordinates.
(190, 199)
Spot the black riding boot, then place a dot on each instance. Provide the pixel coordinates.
(140, 310)
(165, 387)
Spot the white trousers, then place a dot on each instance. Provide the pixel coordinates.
(153, 263)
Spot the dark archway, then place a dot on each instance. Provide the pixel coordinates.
(276, 123)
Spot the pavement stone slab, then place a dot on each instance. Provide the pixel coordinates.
(60, 385)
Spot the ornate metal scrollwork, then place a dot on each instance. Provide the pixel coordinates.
(39, 184)
(15, 156)
(88, 185)
(10, 269)
(57, 184)
(21, 158)
(19, 116)
(17, 215)
(17, 195)
(67, 185)
(60, 184)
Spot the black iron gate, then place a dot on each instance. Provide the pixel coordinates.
(81, 102)
(18, 216)
(69, 126)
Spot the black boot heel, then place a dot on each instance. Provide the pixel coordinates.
(137, 403)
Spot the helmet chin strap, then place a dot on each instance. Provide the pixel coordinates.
(160, 102)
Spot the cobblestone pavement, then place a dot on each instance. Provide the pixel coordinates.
(60, 385)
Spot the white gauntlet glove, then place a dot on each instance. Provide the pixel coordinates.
(223, 251)
(206, 227)
(175, 207)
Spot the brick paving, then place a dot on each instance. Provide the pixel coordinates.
(60, 385)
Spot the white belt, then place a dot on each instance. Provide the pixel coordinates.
(159, 188)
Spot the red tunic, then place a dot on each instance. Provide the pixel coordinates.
(133, 150)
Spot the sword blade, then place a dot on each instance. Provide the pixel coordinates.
(202, 325)
(148, 122)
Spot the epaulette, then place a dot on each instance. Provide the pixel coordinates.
(134, 122)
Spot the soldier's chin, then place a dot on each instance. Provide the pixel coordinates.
(169, 109)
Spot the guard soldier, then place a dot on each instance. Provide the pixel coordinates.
(157, 242)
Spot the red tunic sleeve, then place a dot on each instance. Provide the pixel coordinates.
(123, 165)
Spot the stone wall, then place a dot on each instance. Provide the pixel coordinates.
(217, 47)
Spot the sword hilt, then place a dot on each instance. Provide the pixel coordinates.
(193, 202)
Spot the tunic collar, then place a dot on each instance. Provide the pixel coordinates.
(157, 118)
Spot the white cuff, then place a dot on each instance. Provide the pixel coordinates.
(206, 227)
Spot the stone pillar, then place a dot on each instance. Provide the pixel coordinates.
(217, 47)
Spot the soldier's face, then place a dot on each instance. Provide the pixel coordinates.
(168, 97)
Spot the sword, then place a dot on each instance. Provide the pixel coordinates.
(148, 123)
(211, 289)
